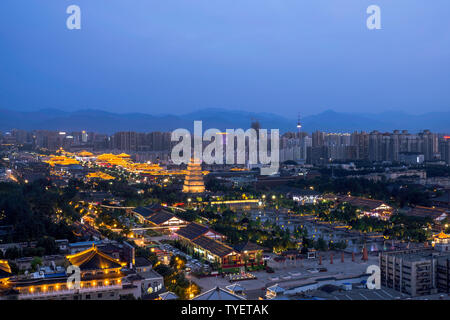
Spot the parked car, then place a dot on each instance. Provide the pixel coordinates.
(269, 270)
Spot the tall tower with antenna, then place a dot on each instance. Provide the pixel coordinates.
(299, 126)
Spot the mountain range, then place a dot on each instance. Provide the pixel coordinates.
(108, 122)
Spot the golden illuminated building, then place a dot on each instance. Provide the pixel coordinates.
(193, 182)
(5, 272)
(123, 155)
(61, 161)
(99, 175)
(85, 154)
(441, 242)
(100, 278)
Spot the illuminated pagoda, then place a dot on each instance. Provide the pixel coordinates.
(193, 182)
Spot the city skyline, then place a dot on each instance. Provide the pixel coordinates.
(329, 120)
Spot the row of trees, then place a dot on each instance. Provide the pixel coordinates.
(397, 194)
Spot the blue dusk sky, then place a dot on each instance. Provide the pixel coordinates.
(178, 56)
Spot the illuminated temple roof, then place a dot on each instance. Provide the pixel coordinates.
(100, 175)
(93, 259)
(85, 153)
(61, 160)
(123, 155)
(5, 269)
(442, 235)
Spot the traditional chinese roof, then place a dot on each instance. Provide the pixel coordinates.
(5, 269)
(85, 153)
(93, 259)
(235, 288)
(218, 294)
(141, 262)
(371, 204)
(425, 212)
(215, 247)
(247, 246)
(144, 211)
(160, 217)
(442, 235)
(192, 231)
(443, 198)
(123, 155)
(100, 175)
(168, 296)
(147, 210)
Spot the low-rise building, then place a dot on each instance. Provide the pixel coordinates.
(92, 275)
(159, 218)
(369, 207)
(306, 197)
(435, 214)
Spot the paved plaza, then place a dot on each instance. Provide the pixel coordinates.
(294, 273)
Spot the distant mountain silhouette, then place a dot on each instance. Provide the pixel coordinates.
(108, 122)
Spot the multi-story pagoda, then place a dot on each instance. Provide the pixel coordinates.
(193, 182)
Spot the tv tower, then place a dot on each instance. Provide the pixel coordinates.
(299, 125)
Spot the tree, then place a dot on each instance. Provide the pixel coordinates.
(36, 263)
(321, 245)
(49, 245)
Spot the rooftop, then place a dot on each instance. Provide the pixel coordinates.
(215, 247)
(144, 211)
(168, 296)
(5, 269)
(93, 259)
(362, 202)
(141, 262)
(425, 212)
(247, 246)
(218, 293)
(160, 217)
(192, 231)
